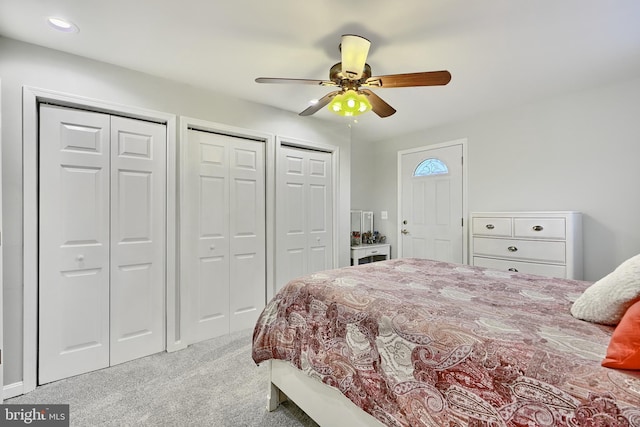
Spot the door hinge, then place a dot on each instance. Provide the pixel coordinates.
(462, 160)
(462, 222)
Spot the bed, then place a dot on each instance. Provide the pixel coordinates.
(411, 342)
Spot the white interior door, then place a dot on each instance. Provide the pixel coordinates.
(225, 232)
(138, 191)
(102, 241)
(74, 242)
(247, 232)
(431, 206)
(304, 222)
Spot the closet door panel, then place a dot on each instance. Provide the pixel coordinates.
(291, 221)
(207, 234)
(304, 218)
(247, 232)
(224, 233)
(138, 191)
(74, 243)
(319, 211)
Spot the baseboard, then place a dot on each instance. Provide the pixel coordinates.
(13, 390)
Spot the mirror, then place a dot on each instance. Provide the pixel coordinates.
(361, 227)
(356, 228)
(367, 227)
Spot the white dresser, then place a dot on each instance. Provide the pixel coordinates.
(363, 254)
(545, 243)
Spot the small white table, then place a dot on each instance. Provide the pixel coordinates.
(363, 254)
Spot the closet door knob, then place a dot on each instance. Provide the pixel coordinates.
(537, 228)
(512, 249)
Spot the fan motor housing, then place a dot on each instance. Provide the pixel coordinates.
(335, 74)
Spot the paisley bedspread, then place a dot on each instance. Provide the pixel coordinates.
(425, 343)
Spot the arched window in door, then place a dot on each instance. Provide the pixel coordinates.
(430, 167)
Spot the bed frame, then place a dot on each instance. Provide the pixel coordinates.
(324, 404)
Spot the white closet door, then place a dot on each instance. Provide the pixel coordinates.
(225, 233)
(319, 211)
(206, 232)
(304, 224)
(291, 224)
(247, 231)
(138, 189)
(74, 243)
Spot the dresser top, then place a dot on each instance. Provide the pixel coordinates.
(525, 213)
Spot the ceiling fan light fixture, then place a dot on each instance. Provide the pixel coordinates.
(349, 103)
(354, 55)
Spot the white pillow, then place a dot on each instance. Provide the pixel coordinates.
(607, 299)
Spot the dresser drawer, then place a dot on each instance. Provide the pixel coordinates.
(381, 250)
(492, 226)
(548, 270)
(543, 228)
(522, 249)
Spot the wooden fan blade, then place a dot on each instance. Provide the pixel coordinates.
(378, 105)
(427, 78)
(321, 103)
(294, 81)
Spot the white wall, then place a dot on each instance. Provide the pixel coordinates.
(24, 64)
(578, 151)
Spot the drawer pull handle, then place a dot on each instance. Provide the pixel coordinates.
(538, 228)
(512, 249)
(374, 252)
(490, 226)
(513, 269)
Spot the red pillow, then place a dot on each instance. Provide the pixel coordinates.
(624, 348)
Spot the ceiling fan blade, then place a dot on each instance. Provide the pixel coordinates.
(294, 81)
(378, 105)
(354, 51)
(427, 78)
(321, 103)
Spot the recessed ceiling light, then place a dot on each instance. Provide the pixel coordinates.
(62, 25)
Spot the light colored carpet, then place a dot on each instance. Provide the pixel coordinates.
(212, 383)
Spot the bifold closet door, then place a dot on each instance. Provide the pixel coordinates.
(102, 241)
(138, 191)
(224, 233)
(74, 243)
(304, 221)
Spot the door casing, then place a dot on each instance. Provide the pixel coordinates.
(465, 234)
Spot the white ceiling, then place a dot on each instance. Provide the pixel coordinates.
(501, 53)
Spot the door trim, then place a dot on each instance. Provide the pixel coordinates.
(465, 175)
(335, 165)
(31, 98)
(268, 139)
(1, 273)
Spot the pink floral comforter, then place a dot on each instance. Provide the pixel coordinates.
(424, 343)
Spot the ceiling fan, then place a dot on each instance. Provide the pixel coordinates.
(353, 76)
